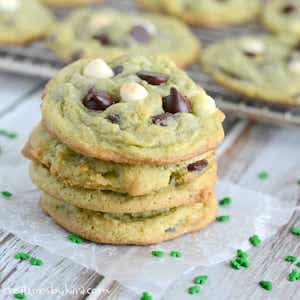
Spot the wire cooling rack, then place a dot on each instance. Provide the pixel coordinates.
(37, 60)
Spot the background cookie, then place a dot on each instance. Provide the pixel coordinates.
(72, 168)
(262, 67)
(112, 229)
(132, 115)
(70, 2)
(208, 13)
(106, 201)
(109, 34)
(22, 22)
(282, 16)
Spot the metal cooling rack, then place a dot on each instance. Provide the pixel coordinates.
(36, 60)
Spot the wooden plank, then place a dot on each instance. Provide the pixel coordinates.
(276, 150)
(14, 89)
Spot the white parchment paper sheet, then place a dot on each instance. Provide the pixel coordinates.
(251, 213)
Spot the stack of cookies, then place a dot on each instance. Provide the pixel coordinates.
(125, 151)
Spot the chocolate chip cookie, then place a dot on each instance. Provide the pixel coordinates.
(283, 17)
(261, 67)
(135, 109)
(109, 34)
(207, 13)
(22, 22)
(139, 229)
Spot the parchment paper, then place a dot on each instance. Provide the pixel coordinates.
(251, 213)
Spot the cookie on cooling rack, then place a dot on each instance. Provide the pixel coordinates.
(283, 17)
(22, 22)
(63, 3)
(261, 67)
(207, 13)
(109, 34)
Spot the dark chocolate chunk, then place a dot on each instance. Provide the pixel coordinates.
(250, 54)
(162, 119)
(288, 9)
(98, 100)
(114, 118)
(140, 34)
(198, 166)
(176, 102)
(103, 38)
(76, 55)
(170, 229)
(153, 78)
(118, 69)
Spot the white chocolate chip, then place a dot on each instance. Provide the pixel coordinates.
(98, 68)
(294, 66)
(253, 45)
(101, 21)
(9, 5)
(209, 105)
(133, 91)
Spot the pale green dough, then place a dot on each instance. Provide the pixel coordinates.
(75, 36)
(211, 13)
(136, 138)
(30, 21)
(281, 18)
(262, 67)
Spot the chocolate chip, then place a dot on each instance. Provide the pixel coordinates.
(103, 38)
(198, 166)
(76, 55)
(170, 229)
(98, 100)
(162, 119)
(153, 78)
(114, 118)
(176, 102)
(118, 69)
(288, 9)
(250, 54)
(140, 34)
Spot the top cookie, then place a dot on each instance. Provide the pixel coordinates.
(135, 109)
(110, 34)
(262, 67)
(23, 21)
(283, 17)
(208, 13)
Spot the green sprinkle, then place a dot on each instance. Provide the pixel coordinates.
(200, 279)
(255, 240)
(6, 194)
(20, 296)
(235, 264)
(242, 254)
(263, 175)
(225, 201)
(157, 253)
(175, 254)
(75, 239)
(194, 290)
(146, 296)
(36, 261)
(294, 275)
(222, 218)
(298, 264)
(295, 230)
(243, 262)
(267, 285)
(291, 258)
(8, 134)
(298, 181)
(22, 256)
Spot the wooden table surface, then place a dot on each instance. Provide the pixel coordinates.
(247, 149)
